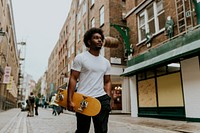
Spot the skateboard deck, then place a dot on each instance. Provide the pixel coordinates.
(83, 104)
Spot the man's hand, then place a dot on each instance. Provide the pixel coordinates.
(70, 106)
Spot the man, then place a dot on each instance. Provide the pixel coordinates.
(37, 100)
(54, 104)
(92, 71)
(31, 102)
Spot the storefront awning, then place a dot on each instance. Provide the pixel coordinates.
(186, 45)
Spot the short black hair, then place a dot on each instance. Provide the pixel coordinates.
(90, 32)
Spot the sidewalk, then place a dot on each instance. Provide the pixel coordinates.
(7, 117)
(172, 125)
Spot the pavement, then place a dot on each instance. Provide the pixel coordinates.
(170, 125)
(15, 121)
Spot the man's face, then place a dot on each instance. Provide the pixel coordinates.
(96, 42)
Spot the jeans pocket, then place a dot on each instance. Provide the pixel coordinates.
(105, 103)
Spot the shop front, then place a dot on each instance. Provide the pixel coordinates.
(164, 82)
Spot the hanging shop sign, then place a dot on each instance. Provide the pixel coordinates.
(6, 77)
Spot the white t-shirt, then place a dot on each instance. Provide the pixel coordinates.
(92, 70)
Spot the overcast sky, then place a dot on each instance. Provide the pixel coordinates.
(38, 23)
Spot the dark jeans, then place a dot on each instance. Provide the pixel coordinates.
(36, 110)
(54, 110)
(100, 121)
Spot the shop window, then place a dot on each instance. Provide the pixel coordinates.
(173, 67)
(147, 93)
(150, 74)
(141, 76)
(161, 70)
(116, 97)
(170, 90)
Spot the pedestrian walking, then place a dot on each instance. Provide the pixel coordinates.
(43, 101)
(37, 100)
(92, 71)
(54, 105)
(31, 102)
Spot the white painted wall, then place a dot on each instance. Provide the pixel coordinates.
(133, 92)
(126, 102)
(191, 86)
(116, 70)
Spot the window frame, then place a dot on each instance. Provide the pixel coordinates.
(93, 22)
(92, 2)
(101, 15)
(155, 18)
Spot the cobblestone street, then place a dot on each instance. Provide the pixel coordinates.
(15, 121)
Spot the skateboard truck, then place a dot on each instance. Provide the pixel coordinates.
(83, 104)
(61, 97)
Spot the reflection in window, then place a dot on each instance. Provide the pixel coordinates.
(150, 74)
(93, 22)
(102, 16)
(141, 76)
(92, 2)
(151, 20)
(173, 67)
(161, 70)
(142, 27)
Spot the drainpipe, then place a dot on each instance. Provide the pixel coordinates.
(197, 9)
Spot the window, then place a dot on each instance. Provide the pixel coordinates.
(151, 20)
(80, 1)
(83, 28)
(79, 17)
(142, 27)
(69, 53)
(101, 15)
(92, 2)
(84, 8)
(93, 22)
(79, 35)
(72, 49)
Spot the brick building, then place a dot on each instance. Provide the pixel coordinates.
(163, 70)
(83, 15)
(52, 72)
(9, 57)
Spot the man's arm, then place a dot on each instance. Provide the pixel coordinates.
(71, 88)
(107, 84)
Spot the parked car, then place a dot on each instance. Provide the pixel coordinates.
(23, 106)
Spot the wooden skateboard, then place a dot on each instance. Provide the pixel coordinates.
(83, 104)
